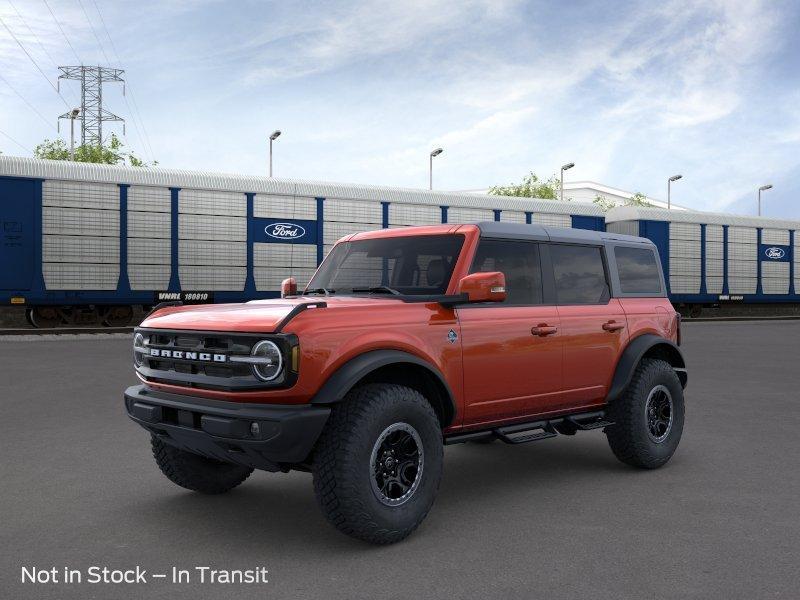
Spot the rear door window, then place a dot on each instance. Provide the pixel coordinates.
(519, 262)
(638, 270)
(580, 277)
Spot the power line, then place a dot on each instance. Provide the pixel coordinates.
(99, 43)
(16, 142)
(61, 29)
(35, 64)
(136, 114)
(21, 97)
(36, 37)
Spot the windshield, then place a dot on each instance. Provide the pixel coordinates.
(412, 265)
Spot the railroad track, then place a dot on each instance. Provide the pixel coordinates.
(63, 330)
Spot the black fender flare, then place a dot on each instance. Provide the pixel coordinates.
(634, 353)
(350, 373)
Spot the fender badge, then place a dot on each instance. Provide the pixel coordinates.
(452, 336)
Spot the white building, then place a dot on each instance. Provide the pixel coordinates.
(588, 191)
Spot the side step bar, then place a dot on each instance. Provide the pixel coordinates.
(521, 433)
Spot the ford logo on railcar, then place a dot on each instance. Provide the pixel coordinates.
(285, 231)
(775, 253)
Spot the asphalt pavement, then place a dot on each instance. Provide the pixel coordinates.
(552, 519)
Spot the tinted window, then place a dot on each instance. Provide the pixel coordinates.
(579, 274)
(519, 262)
(420, 264)
(638, 271)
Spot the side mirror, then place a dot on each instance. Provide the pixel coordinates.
(484, 287)
(289, 287)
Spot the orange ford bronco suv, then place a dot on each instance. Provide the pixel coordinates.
(407, 340)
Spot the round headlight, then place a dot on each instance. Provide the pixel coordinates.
(270, 360)
(138, 349)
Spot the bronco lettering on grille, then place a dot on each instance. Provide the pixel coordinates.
(182, 354)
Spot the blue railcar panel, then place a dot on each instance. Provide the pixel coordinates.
(250, 282)
(725, 288)
(174, 278)
(775, 252)
(18, 227)
(320, 226)
(759, 287)
(703, 288)
(658, 233)
(283, 231)
(792, 290)
(585, 222)
(124, 286)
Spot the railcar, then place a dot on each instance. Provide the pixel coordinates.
(88, 243)
(715, 258)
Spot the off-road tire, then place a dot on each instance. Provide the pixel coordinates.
(628, 436)
(343, 468)
(195, 472)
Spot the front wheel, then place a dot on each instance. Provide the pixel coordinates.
(195, 472)
(378, 463)
(648, 417)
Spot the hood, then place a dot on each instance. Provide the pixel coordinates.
(258, 316)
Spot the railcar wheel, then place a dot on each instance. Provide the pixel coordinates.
(44, 317)
(118, 316)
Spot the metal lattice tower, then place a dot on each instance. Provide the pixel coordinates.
(92, 112)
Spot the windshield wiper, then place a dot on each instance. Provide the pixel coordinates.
(322, 290)
(378, 289)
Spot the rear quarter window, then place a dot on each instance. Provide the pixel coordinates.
(638, 270)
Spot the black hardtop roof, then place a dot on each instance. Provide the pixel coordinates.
(519, 231)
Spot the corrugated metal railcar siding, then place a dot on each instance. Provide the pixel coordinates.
(404, 215)
(513, 216)
(552, 219)
(343, 217)
(149, 246)
(212, 228)
(80, 235)
(742, 260)
(684, 258)
(714, 259)
(624, 227)
(460, 214)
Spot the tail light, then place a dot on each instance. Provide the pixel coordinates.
(678, 316)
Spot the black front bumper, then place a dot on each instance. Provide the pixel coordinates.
(262, 436)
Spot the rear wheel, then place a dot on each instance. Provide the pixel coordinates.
(378, 463)
(195, 472)
(648, 418)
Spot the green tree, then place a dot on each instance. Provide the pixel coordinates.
(606, 204)
(531, 187)
(112, 153)
(638, 199)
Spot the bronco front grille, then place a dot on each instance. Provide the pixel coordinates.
(201, 359)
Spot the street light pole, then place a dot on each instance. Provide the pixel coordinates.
(669, 189)
(273, 136)
(763, 188)
(72, 115)
(564, 168)
(436, 152)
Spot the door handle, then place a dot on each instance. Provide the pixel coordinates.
(612, 326)
(543, 330)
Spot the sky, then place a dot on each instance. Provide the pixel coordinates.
(631, 92)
